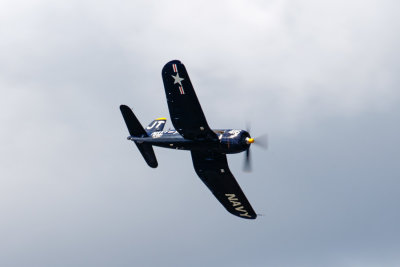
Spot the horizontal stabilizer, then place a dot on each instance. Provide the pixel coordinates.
(148, 154)
(133, 124)
(136, 130)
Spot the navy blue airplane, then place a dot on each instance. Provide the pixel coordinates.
(208, 147)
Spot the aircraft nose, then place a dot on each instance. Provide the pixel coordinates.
(249, 140)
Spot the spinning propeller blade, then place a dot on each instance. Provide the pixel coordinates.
(247, 161)
(261, 141)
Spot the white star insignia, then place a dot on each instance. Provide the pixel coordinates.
(177, 79)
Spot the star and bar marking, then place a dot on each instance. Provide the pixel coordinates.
(178, 79)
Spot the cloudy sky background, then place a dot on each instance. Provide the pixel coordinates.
(320, 77)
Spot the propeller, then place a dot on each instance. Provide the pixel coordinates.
(247, 161)
(261, 141)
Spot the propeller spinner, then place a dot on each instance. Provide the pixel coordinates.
(262, 141)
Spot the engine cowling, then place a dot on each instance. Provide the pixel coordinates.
(234, 141)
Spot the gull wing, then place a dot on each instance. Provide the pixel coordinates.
(213, 170)
(184, 107)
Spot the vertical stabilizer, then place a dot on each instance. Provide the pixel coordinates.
(156, 126)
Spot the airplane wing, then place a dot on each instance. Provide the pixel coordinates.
(184, 107)
(213, 170)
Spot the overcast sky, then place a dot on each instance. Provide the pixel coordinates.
(320, 77)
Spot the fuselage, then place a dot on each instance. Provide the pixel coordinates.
(230, 141)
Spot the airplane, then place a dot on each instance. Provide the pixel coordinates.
(208, 147)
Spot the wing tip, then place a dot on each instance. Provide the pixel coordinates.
(153, 165)
(248, 217)
(175, 61)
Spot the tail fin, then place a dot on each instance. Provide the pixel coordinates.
(136, 129)
(156, 126)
